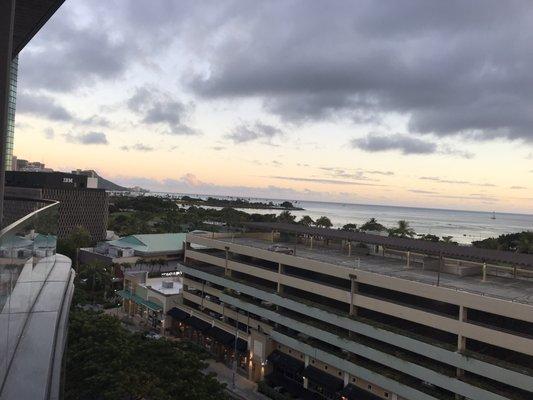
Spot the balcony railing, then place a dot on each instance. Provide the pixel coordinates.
(27, 258)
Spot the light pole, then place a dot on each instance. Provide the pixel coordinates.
(235, 351)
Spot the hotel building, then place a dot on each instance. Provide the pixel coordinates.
(330, 314)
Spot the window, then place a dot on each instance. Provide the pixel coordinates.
(386, 394)
(353, 379)
(290, 351)
(369, 387)
(340, 373)
(313, 361)
(325, 367)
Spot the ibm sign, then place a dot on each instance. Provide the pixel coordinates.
(68, 180)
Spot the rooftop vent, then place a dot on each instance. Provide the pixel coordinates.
(167, 284)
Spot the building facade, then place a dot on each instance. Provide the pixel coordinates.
(147, 300)
(80, 203)
(11, 105)
(335, 318)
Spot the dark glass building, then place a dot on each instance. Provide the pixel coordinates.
(80, 202)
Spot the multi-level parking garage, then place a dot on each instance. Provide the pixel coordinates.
(342, 314)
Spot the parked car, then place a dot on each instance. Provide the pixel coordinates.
(153, 335)
(279, 248)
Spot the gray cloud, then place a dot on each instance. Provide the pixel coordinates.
(49, 133)
(138, 147)
(42, 106)
(418, 191)
(406, 144)
(68, 55)
(323, 180)
(244, 133)
(517, 187)
(158, 108)
(87, 138)
(357, 175)
(45, 106)
(455, 182)
(447, 67)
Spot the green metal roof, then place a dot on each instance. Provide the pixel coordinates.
(152, 243)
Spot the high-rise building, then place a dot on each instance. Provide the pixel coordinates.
(80, 202)
(329, 314)
(12, 104)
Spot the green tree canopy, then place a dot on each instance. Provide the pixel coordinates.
(78, 238)
(323, 222)
(430, 237)
(372, 225)
(306, 220)
(350, 227)
(105, 361)
(286, 217)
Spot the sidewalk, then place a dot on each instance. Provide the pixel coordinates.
(244, 388)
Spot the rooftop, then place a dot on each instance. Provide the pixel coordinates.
(423, 246)
(499, 287)
(152, 243)
(157, 285)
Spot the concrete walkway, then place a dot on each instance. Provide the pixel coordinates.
(244, 389)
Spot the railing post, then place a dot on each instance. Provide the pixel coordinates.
(484, 272)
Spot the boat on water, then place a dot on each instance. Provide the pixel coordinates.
(493, 216)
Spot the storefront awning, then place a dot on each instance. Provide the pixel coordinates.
(296, 389)
(352, 392)
(177, 314)
(286, 361)
(323, 378)
(198, 324)
(149, 304)
(220, 335)
(127, 295)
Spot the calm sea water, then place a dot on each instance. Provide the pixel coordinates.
(463, 226)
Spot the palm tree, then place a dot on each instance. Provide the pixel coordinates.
(323, 222)
(306, 220)
(286, 217)
(372, 225)
(403, 230)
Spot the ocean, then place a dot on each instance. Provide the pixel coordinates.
(463, 226)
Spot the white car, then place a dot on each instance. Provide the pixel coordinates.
(279, 248)
(153, 335)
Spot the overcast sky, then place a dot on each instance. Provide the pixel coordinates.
(419, 103)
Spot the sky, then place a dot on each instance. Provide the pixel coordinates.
(413, 103)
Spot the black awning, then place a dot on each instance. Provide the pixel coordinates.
(323, 378)
(294, 388)
(352, 392)
(177, 314)
(220, 335)
(198, 324)
(285, 361)
(242, 345)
